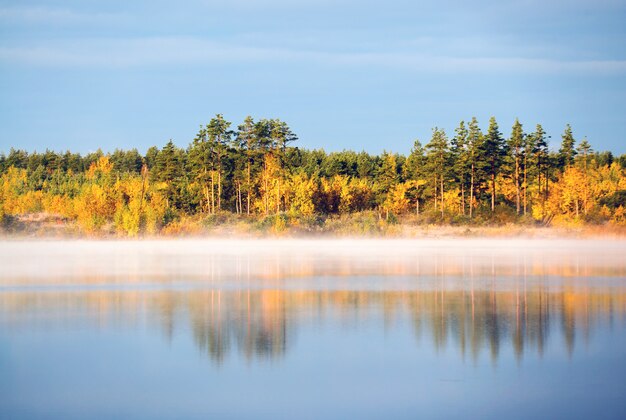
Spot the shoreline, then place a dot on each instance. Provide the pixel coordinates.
(401, 232)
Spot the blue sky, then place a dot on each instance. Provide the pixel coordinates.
(345, 74)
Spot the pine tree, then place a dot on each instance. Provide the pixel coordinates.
(542, 163)
(414, 172)
(280, 135)
(475, 141)
(493, 151)
(517, 149)
(219, 138)
(387, 175)
(529, 165)
(438, 159)
(567, 152)
(584, 151)
(201, 166)
(248, 143)
(170, 171)
(460, 158)
(413, 168)
(150, 158)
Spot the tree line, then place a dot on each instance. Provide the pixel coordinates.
(254, 170)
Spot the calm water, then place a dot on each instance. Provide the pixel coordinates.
(313, 329)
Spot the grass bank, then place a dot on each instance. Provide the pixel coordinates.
(362, 224)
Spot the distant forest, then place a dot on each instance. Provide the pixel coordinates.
(257, 172)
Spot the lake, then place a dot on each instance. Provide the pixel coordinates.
(320, 328)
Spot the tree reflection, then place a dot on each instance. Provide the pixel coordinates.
(263, 324)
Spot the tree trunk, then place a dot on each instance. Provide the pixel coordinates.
(219, 184)
(471, 205)
(525, 183)
(539, 184)
(239, 198)
(236, 197)
(462, 198)
(517, 188)
(585, 184)
(205, 189)
(493, 192)
(212, 192)
(249, 187)
(545, 190)
(207, 197)
(435, 195)
(278, 196)
(442, 196)
(265, 186)
(144, 178)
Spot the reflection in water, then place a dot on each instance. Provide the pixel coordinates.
(317, 329)
(258, 324)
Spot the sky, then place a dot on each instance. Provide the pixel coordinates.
(344, 74)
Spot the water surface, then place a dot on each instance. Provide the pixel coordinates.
(313, 328)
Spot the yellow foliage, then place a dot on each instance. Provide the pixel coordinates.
(271, 187)
(101, 167)
(397, 201)
(578, 192)
(139, 207)
(361, 194)
(12, 186)
(506, 187)
(155, 211)
(94, 207)
(58, 204)
(619, 216)
(300, 191)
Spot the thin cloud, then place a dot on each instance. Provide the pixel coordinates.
(45, 15)
(175, 51)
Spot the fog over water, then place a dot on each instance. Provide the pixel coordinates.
(313, 328)
(286, 262)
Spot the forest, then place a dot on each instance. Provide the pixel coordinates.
(254, 174)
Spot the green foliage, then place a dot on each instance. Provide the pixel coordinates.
(615, 200)
(254, 176)
(567, 152)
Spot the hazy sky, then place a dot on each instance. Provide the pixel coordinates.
(354, 74)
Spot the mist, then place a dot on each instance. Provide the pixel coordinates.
(306, 263)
